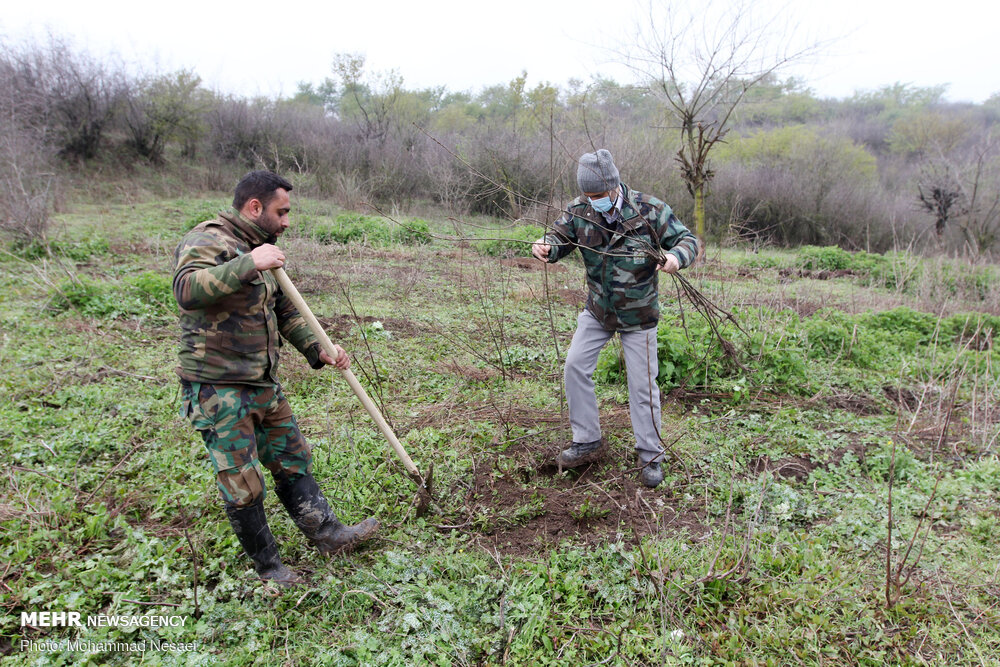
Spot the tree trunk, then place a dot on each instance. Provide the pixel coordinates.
(699, 211)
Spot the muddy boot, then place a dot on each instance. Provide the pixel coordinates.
(580, 453)
(312, 514)
(250, 525)
(651, 475)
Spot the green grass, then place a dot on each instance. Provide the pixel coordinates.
(767, 544)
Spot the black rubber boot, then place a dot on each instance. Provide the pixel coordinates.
(312, 514)
(651, 475)
(580, 453)
(250, 525)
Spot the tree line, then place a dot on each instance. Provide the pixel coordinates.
(893, 168)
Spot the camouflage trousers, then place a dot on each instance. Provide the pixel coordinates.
(244, 427)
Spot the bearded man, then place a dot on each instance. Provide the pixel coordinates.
(233, 317)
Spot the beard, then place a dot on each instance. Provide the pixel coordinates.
(270, 225)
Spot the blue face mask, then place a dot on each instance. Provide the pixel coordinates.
(603, 204)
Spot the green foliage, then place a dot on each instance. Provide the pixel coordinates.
(414, 231)
(895, 457)
(804, 150)
(204, 211)
(881, 339)
(832, 258)
(588, 510)
(923, 131)
(510, 241)
(157, 287)
(163, 109)
(78, 251)
(690, 354)
(796, 360)
(368, 230)
(144, 295)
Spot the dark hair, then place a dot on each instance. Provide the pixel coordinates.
(260, 184)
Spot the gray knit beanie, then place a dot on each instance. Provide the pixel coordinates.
(597, 172)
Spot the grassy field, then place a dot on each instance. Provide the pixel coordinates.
(831, 494)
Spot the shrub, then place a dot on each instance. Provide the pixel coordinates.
(413, 232)
(510, 241)
(369, 230)
(155, 286)
(833, 258)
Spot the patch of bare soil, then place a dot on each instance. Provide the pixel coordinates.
(815, 275)
(806, 308)
(471, 373)
(520, 503)
(902, 397)
(572, 297)
(791, 467)
(340, 325)
(981, 341)
(532, 264)
(859, 404)
(837, 455)
(747, 272)
(722, 277)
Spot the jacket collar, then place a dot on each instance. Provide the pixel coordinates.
(630, 211)
(245, 229)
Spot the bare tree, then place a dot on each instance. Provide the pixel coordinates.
(700, 61)
(981, 220)
(940, 195)
(27, 155)
(961, 189)
(81, 94)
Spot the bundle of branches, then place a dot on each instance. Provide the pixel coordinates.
(712, 313)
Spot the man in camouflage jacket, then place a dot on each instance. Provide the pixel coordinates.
(233, 317)
(625, 237)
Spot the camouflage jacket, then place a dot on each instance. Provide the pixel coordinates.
(622, 280)
(231, 313)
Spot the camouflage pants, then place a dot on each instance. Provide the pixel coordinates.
(245, 427)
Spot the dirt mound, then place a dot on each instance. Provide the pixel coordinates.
(520, 503)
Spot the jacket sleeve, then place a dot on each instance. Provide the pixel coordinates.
(675, 238)
(294, 329)
(561, 238)
(203, 274)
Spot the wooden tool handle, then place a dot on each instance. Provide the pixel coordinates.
(289, 289)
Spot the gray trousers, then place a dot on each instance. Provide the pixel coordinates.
(643, 394)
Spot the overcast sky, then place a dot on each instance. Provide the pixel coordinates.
(266, 48)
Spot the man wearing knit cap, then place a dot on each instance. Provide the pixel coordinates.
(625, 237)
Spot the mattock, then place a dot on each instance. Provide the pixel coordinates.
(423, 483)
